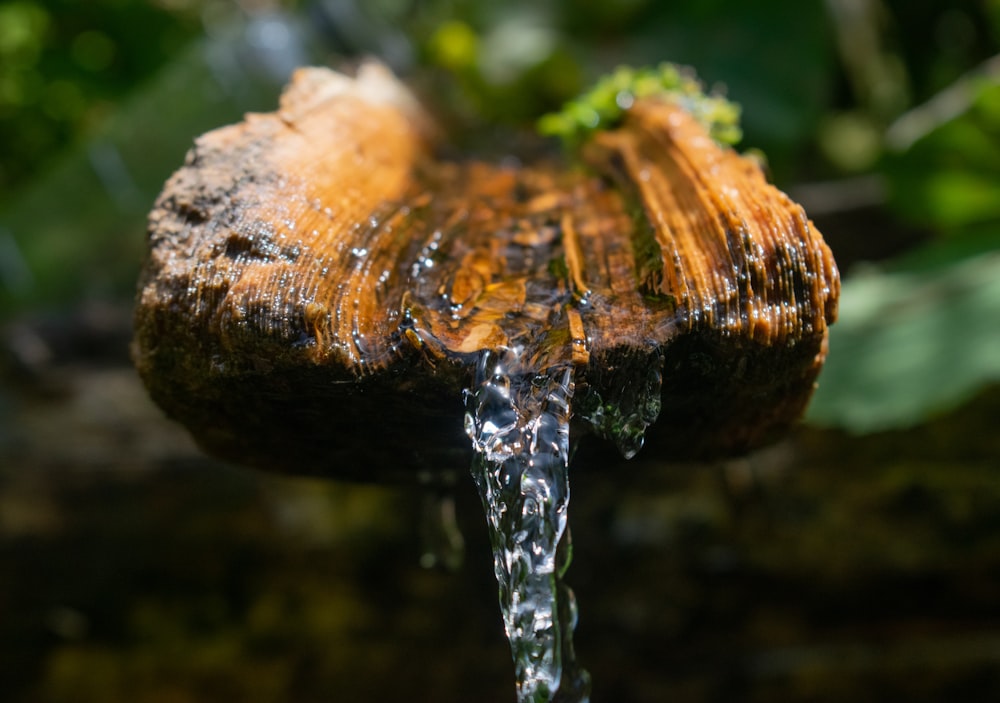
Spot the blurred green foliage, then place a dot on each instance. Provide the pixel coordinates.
(917, 337)
(65, 65)
(146, 78)
(947, 179)
(920, 334)
(893, 106)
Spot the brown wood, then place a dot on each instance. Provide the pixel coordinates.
(319, 285)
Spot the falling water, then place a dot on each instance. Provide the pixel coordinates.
(518, 421)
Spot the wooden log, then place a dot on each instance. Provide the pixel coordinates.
(319, 287)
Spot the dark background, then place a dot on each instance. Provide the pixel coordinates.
(857, 560)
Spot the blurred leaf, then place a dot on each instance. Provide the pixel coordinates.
(63, 62)
(454, 45)
(948, 178)
(923, 335)
(852, 141)
(77, 230)
(774, 58)
(913, 341)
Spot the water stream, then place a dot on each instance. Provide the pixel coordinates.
(518, 421)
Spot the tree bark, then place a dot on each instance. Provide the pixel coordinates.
(319, 286)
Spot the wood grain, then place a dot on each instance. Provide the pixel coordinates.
(319, 285)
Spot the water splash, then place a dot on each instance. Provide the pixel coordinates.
(518, 421)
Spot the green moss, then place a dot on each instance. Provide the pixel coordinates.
(603, 106)
(558, 267)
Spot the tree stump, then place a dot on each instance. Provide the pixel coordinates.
(320, 285)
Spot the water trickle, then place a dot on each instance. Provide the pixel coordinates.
(630, 404)
(518, 421)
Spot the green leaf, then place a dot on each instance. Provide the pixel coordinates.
(913, 341)
(948, 178)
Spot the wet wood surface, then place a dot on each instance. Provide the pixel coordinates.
(320, 285)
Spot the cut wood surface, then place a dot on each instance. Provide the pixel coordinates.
(319, 286)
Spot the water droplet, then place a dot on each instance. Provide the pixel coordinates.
(630, 404)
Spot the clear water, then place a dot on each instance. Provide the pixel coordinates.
(630, 406)
(518, 421)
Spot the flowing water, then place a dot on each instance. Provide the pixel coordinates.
(518, 421)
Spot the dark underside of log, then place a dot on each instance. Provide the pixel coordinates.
(319, 287)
